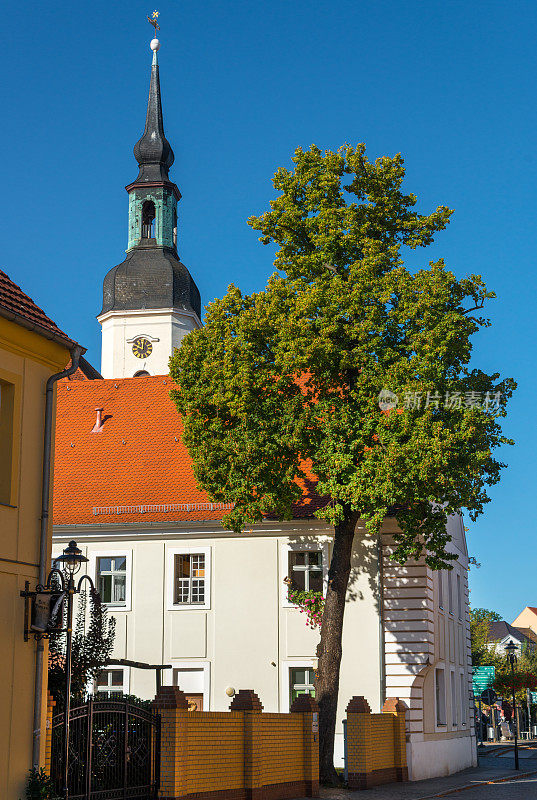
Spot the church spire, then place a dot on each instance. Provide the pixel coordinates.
(150, 300)
(152, 151)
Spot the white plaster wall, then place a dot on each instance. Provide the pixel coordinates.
(248, 637)
(164, 327)
(432, 759)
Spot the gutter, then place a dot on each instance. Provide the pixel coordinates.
(46, 333)
(76, 351)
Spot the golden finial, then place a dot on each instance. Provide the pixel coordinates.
(153, 20)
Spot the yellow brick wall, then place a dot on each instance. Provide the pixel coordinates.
(211, 751)
(376, 743)
(282, 748)
(214, 751)
(48, 733)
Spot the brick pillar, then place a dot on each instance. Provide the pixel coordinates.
(48, 731)
(306, 705)
(359, 743)
(172, 706)
(398, 708)
(250, 705)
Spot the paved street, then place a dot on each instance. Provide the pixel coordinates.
(485, 782)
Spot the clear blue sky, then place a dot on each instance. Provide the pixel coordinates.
(451, 85)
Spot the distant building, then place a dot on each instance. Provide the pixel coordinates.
(32, 349)
(501, 634)
(527, 622)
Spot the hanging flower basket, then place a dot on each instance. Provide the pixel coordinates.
(309, 603)
(521, 680)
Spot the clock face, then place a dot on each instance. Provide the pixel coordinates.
(142, 347)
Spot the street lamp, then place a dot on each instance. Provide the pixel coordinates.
(71, 561)
(511, 649)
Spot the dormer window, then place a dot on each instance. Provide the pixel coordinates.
(148, 220)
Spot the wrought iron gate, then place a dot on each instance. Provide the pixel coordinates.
(114, 751)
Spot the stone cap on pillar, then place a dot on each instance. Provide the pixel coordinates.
(303, 704)
(393, 705)
(358, 705)
(170, 697)
(246, 700)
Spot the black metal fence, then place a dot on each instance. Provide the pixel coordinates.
(114, 751)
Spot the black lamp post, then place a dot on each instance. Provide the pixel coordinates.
(71, 561)
(45, 604)
(511, 649)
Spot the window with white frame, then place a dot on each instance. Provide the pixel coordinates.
(459, 596)
(450, 590)
(189, 578)
(441, 589)
(301, 681)
(440, 693)
(306, 570)
(112, 579)
(111, 684)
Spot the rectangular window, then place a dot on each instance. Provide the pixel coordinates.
(454, 706)
(440, 690)
(463, 701)
(301, 681)
(189, 578)
(110, 684)
(112, 579)
(450, 590)
(7, 412)
(306, 570)
(459, 596)
(441, 589)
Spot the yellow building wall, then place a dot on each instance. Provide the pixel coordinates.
(26, 360)
(526, 619)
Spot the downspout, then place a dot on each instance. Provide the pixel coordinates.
(76, 352)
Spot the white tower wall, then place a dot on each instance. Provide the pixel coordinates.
(164, 328)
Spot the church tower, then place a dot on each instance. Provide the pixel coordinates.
(150, 300)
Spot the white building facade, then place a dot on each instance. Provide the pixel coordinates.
(213, 606)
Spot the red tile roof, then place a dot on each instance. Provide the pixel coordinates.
(14, 303)
(138, 460)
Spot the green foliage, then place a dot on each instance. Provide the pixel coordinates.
(137, 701)
(284, 383)
(482, 653)
(40, 786)
(93, 641)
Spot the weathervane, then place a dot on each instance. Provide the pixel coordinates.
(153, 20)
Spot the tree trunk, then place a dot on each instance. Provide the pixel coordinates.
(329, 651)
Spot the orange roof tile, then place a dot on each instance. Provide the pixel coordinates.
(137, 460)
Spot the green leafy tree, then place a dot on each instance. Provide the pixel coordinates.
(93, 641)
(482, 652)
(284, 384)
